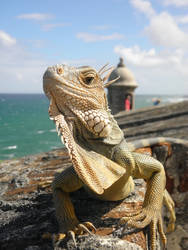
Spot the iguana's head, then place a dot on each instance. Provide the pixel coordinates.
(79, 93)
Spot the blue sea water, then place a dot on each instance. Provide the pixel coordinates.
(25, 127)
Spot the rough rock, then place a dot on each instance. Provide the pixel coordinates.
(27, 210)
(178, 240)
(99, 242)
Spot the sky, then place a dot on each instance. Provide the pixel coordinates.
(152, 36)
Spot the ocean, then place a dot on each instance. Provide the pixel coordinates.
(25, 127)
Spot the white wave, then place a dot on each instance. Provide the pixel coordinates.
(167, 99)
(53, 130)
(54, 147)
(40, 131)
(9, 156)
(175, 99)
(11, 147)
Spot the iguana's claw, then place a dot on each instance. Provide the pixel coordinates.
(90, 226)
(171, 208)
(85, 227)
(72, 235)
(58, 237)
(45, 184)
(171, 227)
(81, 228)
(146, 217)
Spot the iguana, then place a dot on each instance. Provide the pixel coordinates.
(103, 162)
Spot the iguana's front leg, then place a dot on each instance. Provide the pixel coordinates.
(63, 184)
(152, 171)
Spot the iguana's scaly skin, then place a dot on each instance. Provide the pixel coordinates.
(103, 162)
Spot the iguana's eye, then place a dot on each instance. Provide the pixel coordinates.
(89, 80)
(60, 71)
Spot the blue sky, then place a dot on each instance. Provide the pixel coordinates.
(152, 36)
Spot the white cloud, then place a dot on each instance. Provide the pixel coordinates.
(141, 58)
(20, 70)
(50, 26)
(164, 31)
(19, 76)
(150, 58)
(6, 40)
(143, 6)
(182, 19)
(177, 3)
(88, 37)
(35, 16)
(161, 72)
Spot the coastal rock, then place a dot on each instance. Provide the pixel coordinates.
(178, 240)
(99, 242)
(27, 210)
